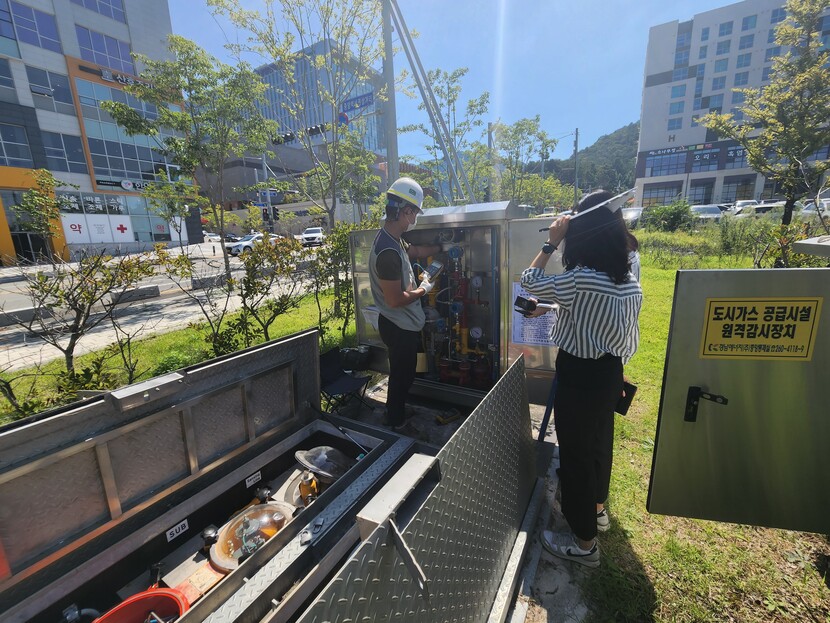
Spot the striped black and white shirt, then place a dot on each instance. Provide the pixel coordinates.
(596, 316)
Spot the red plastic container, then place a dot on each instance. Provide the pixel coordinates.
(165, 602)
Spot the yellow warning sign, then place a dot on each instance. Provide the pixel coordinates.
(760, 328)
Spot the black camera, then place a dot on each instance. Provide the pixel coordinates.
(526, 306)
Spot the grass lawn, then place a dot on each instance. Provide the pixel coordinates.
(660, 568)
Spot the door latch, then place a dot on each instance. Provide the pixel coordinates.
(694, 397)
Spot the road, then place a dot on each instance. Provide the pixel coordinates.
(174, 309)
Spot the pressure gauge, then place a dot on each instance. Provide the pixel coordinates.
(476, 333)
(476, 282)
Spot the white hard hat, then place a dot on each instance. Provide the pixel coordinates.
(407, 189)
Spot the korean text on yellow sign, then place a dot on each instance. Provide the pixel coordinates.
(760, 328)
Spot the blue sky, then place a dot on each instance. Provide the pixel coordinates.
(576, 63)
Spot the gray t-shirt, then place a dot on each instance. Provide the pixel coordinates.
(389, 254)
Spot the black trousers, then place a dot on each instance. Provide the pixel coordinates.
(402, 346)
(586, 393)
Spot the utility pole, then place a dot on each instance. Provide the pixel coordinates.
(576, 168)
(390, 117)
(490, 161)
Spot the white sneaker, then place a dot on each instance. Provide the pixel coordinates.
(564, 545)
(603, 520)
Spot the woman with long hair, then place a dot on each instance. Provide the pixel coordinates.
(596, 331)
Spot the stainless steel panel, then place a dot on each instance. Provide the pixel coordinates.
(39, 507)
(219, 424)
(148, 458)
(476, 213)
(461, 537)
(524, 241)
(762, 458)
(271, 400)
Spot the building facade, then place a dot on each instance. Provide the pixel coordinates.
(691, 69)
(59, 59)
(306, 93)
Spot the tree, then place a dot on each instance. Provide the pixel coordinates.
(446, 86)
(218, 118)
(516, 144)
(73, 299)
(339, 44)
(786, 122)
(172, 200)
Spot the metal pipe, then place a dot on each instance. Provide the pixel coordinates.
(390, 120)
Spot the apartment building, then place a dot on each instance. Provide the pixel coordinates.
(692, 68)
(59, 59)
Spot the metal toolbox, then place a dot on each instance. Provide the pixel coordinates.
(106, 505)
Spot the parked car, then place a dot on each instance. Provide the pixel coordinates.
(744, 203)
(246, 245)
(232, 238)
(632, 215)
(313, 236)
(809, 209)
(707, 212)
(210, 236)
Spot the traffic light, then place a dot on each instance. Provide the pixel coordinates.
(275, 212)
(264, 214)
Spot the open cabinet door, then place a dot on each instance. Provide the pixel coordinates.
(743, 429)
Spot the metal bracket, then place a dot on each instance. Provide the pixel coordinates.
(693, 398)
(409, 560)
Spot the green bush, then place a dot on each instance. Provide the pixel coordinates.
(671, 217)
(175, 360)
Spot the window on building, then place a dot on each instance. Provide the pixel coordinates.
(771, 36)
(104, 50)
(722, 64)
(64, 152)
(738, 97)
(8, 40)
(744, 60)
(725, 29)
(702, 52)
(718, 83)
(684, 40)
(734, 190)
(737, 114)
(14, 147)
(676, 108)
(772, 53)
(716, 101)
(676, 123)
(705, 160)
(50, 91)
(765, 74)
(661, 194)
(110, 8)
(704, 34)
(820, 155)
(666, 164)
(697, 104)
(36, 27)
(741, 78)
(699, 86)
(778, 15)
(700, 193)
(680, 73)
(678, 90)
(723, 47)
(114, 154)
(735, 158)
(746, 42)
(681, 59)
(749, 22)
(695, 121)
(6, 80)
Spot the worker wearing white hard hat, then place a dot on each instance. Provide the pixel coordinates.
(398, 294)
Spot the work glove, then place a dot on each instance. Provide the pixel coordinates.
(427, 285)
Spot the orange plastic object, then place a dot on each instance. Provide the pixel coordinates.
(165, 602)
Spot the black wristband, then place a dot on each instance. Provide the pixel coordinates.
(548, 248)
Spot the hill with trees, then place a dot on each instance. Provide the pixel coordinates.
(608, 163)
